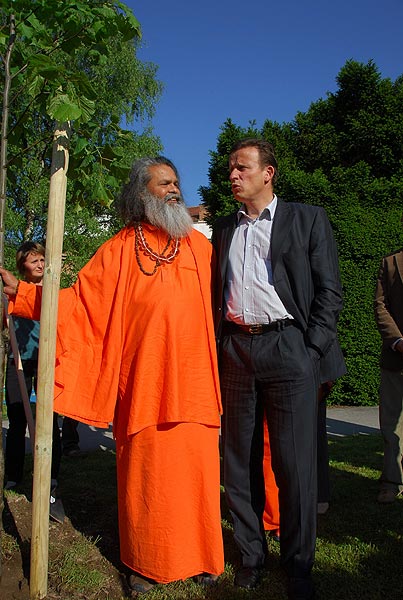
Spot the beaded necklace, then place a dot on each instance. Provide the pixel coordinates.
(141, 244)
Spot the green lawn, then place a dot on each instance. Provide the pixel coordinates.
(359, 550)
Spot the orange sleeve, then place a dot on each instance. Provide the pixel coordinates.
(27, 303)
(88, 334)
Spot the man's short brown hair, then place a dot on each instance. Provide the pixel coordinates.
(265, 149)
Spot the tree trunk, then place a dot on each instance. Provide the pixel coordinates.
(3, 182)
(46, 364)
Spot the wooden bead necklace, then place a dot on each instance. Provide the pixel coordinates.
(140, 244)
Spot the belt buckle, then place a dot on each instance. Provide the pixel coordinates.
(255, 329)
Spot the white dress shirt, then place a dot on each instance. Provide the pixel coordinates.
(249, 292)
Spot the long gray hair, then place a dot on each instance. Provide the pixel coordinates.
(130, 205)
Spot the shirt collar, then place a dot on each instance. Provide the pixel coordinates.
(267, 213)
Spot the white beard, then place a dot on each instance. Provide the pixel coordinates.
(172, 218)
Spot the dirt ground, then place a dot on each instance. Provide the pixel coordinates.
(15, 565)
(89, 500)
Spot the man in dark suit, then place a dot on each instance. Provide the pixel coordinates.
(278, 296)
(389, 319)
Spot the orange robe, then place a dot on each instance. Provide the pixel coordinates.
(140, 351)
(271, 514)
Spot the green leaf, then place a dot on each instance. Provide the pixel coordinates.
(112, 182)
(45, 66)
(61, 108)
(108, 153)
(100, 194)
(82, 85)
(3, 39)
(80, 145)
(25, 31)
(35, 86)
(87, 107)
(131, 23)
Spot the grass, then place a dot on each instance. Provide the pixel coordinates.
(359, 547)
(72, 567)
(9, 546)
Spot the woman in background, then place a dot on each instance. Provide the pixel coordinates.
(30, 260)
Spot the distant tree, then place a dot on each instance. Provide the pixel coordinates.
(345, 154)
(361, 122)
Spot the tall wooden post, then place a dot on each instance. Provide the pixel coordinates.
(46, 364)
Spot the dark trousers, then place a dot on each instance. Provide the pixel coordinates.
(70, 435)
(15, 440)
(391, 424)
(274, 373)
(323, 449)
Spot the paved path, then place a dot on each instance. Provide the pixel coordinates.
(91, 438)
(348, 420)
(341, 421)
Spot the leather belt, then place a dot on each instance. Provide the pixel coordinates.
(229, 327)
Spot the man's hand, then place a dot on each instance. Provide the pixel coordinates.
(399, 346)
(10, 282)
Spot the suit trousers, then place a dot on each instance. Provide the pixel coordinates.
(322, 447)
(70, 435)
(275, 373)
(391, 425)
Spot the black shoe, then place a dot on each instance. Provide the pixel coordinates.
(311, 596)
(140, 584)
(248, 577)
(56, 508)
(10, 485)
(74, 452)
(206, 579)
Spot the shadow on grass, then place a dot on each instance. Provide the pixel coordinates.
(88, 490)
(359, 549)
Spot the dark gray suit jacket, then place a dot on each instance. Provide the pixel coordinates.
(305, 269)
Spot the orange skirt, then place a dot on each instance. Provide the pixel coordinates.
(169, 501)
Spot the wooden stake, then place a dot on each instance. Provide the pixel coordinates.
(21, 378)
(46, 364)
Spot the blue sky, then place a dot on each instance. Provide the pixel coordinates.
(253, 60)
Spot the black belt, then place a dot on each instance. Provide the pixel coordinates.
(229, 327)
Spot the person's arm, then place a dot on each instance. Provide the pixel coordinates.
(327, 301)
(398, 346)
(24, 298)
(387, 326)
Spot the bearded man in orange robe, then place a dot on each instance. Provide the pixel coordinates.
(136, 346)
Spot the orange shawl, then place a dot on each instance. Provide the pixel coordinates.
(91, 336)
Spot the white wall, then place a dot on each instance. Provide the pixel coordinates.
(203, 228)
